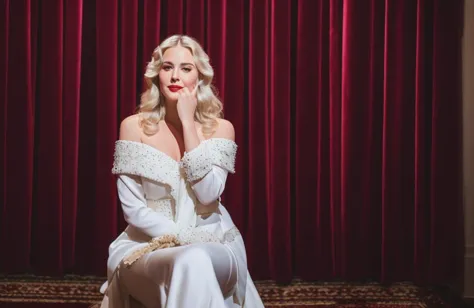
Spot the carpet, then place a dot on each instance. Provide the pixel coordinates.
(82, 291)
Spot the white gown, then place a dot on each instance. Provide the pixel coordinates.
(158, 199)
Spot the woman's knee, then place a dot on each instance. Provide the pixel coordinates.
(194, 256)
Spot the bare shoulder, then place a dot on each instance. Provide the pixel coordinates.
(130, 128)
(225, 129)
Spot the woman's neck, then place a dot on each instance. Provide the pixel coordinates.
(172, 117)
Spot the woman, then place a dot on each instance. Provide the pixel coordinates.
(181, 248)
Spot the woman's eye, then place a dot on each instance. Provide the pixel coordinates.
(187, 69)
(166, 67)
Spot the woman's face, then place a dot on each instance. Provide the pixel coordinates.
(178, 71)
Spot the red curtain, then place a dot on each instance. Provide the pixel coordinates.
(347, 116)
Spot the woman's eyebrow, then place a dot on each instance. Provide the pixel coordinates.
(182, 64)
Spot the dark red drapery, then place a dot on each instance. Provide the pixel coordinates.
(347, 116)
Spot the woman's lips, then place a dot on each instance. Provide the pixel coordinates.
(174, 88)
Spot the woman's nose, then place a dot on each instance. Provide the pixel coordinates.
(175, 75)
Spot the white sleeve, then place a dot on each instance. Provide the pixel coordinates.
(211, 186)
(207, 167)
(136, 211)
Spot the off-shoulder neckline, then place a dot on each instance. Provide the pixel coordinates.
(146, 145)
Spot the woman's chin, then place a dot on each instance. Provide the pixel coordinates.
(171, 96)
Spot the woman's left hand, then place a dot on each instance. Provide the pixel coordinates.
(186, 104)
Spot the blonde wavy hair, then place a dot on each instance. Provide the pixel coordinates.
(152, 106)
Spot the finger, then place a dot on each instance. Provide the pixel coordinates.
(196, 88)
(182, 91)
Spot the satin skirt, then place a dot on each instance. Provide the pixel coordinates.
(196, 275)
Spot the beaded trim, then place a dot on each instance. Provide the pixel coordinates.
(162, 206)
(185, 237)
(198, 235)
(136, 158)
(215, 151)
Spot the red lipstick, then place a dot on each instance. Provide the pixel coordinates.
(174, 88)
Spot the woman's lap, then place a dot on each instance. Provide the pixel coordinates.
(205, 267)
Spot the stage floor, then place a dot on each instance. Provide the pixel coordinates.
(82, 291)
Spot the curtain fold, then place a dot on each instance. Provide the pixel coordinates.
(70, 129)
(4, 31)
(48, 141)
(19, 139)
(347, 116)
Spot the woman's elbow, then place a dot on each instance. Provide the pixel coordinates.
(208, 196)
(207, 199)
(208, 190)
